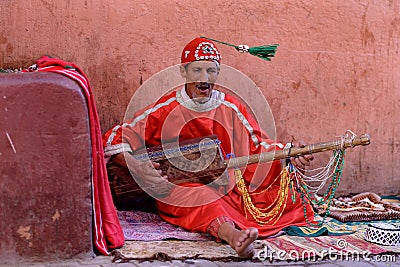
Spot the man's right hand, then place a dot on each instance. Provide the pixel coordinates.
(147, 174)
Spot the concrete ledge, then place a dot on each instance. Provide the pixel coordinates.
(45, 168)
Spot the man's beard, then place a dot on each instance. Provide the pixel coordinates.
(200, 99)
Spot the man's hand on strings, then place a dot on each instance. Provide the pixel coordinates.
(301, 161)
(150, 176)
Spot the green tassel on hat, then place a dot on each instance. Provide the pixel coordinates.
(265, 51)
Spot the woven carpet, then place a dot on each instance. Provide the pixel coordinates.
(146, 226)
(365, 207)
(285, 247)
(148, 237)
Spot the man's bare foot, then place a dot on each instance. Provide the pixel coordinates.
(240, 240)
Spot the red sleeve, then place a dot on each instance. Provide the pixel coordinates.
(144, 128)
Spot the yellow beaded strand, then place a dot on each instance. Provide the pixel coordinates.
(279, 204)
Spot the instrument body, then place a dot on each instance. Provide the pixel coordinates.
(198, 160)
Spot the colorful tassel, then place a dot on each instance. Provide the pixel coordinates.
(265, 51)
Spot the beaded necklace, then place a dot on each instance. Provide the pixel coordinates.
(294, 180)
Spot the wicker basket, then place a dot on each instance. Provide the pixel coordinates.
(383, 234)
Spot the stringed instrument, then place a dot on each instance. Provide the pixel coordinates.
(201, 160)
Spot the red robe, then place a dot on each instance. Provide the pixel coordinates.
(193, 206)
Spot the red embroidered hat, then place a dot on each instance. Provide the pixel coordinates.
(200, 49)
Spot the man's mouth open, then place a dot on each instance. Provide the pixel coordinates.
(204, 88)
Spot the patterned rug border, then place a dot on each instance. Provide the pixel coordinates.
(120, 255)
(301, 249)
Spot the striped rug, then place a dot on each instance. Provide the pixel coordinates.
(150, 238)
(282, 248)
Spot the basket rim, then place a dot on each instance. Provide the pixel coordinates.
(380, 228)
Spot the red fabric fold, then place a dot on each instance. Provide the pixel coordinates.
(107, 231)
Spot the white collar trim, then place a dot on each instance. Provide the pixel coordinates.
(216, 99)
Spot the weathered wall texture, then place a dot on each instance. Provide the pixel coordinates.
(337, 66)
(45, 168)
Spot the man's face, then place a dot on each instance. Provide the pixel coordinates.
(200, 78)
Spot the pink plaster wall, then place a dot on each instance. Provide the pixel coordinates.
(337, 66)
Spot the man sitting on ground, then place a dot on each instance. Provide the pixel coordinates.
(194, 111)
